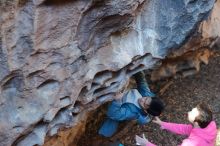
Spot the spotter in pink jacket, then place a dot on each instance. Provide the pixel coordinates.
(197, 136)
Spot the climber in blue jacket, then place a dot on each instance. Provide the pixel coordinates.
(134, 104)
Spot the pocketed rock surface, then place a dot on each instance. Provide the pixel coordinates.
(182, 95)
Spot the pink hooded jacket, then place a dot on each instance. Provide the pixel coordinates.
(197, 136)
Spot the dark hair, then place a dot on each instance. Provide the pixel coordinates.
(156, 107)
(205, 115)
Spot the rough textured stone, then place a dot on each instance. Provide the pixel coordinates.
(61, 59)
(184, 65)
(210, 27)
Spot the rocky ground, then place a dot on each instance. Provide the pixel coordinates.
(182, 95)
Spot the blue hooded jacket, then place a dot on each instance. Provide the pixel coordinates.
(126, 109)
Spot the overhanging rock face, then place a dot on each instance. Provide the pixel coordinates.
(60, 59)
